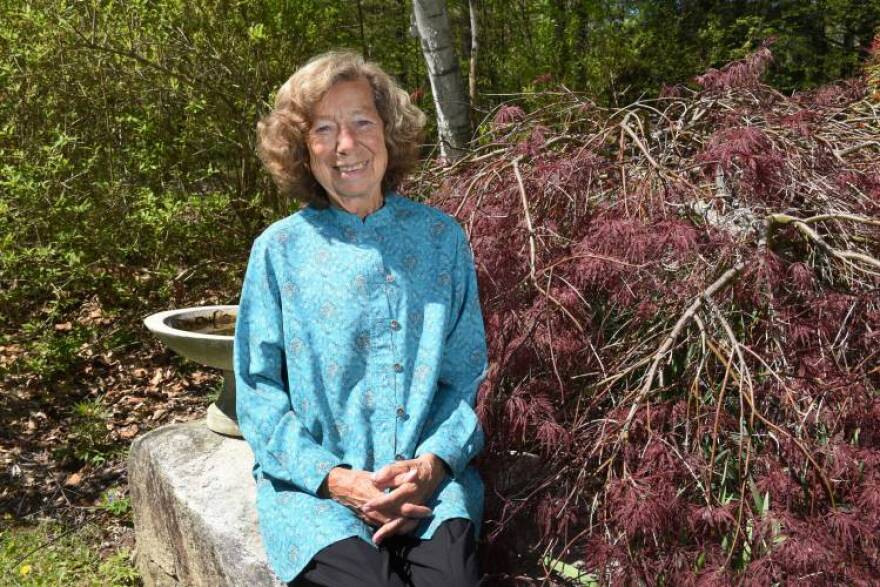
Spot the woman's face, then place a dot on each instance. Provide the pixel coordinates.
(346, 143)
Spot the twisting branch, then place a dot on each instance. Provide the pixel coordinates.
(745, 377)
(841, 153)
(839, 216)
(527, 215)
(664, 347)
(843, 255)
(531, 231)
(626, 128)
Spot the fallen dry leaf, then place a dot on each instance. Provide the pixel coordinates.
(64, 327)
(73, 480)
(128, 432)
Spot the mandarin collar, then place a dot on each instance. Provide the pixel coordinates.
(380, 217)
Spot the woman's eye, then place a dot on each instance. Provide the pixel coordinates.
(364, 123)
(322, 129)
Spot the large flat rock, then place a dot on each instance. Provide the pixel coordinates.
(194, 513)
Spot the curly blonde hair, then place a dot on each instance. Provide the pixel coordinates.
(282, 134)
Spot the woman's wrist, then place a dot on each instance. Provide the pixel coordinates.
(438, 467)
(336, 482)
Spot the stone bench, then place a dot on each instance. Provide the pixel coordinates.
(194, 514)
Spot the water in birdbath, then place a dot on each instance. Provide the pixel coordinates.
(217, 323)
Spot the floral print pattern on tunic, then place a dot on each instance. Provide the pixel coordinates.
(357, 343)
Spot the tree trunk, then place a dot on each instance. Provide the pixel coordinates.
(475, 48)
(450, 99)
(364, 51)
(560, 38)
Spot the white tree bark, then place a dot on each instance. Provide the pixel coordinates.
(450, 99)
(475, 49)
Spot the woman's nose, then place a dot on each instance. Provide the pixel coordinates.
(345, 140)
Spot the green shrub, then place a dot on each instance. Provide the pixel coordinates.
(88, 440)
(872, 69)
(127, 150)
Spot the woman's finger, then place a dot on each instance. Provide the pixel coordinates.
(381, 515)
(392, 500)
(388, 475)
(395, 527)
(413, 524)
(374, 517)
(389, 529)
(411, 510)
(410, 475)
(407, 527)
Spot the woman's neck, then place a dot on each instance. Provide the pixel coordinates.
(359, 206)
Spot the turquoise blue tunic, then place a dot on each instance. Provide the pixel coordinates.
(357, 343)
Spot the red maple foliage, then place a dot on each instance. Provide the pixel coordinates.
(745, 73)
(683, 315)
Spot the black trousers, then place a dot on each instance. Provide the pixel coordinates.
(448, 559)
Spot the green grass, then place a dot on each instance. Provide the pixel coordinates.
(50, 554)
(570, 572)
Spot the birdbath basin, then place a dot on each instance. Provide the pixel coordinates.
(204, 334)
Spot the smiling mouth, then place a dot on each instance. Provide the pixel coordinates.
(351, 168)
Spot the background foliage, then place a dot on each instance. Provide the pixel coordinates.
(126, 129)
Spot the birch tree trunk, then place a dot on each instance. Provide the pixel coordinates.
(475, 49)
(450, 99)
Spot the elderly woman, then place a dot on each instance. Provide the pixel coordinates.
(359, 347)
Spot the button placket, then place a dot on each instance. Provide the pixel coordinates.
(393, 326)
(390, 325)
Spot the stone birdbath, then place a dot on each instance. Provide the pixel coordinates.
(204, 334)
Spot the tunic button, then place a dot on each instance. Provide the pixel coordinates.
(398, 368)
(389, 278)
(395, 325)
(399, 458)
(401, 413)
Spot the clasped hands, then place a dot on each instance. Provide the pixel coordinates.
(412, 483)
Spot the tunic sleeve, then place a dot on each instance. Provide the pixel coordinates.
(453, 431)
(283, 447)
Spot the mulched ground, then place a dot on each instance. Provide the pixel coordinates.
(135, 388)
